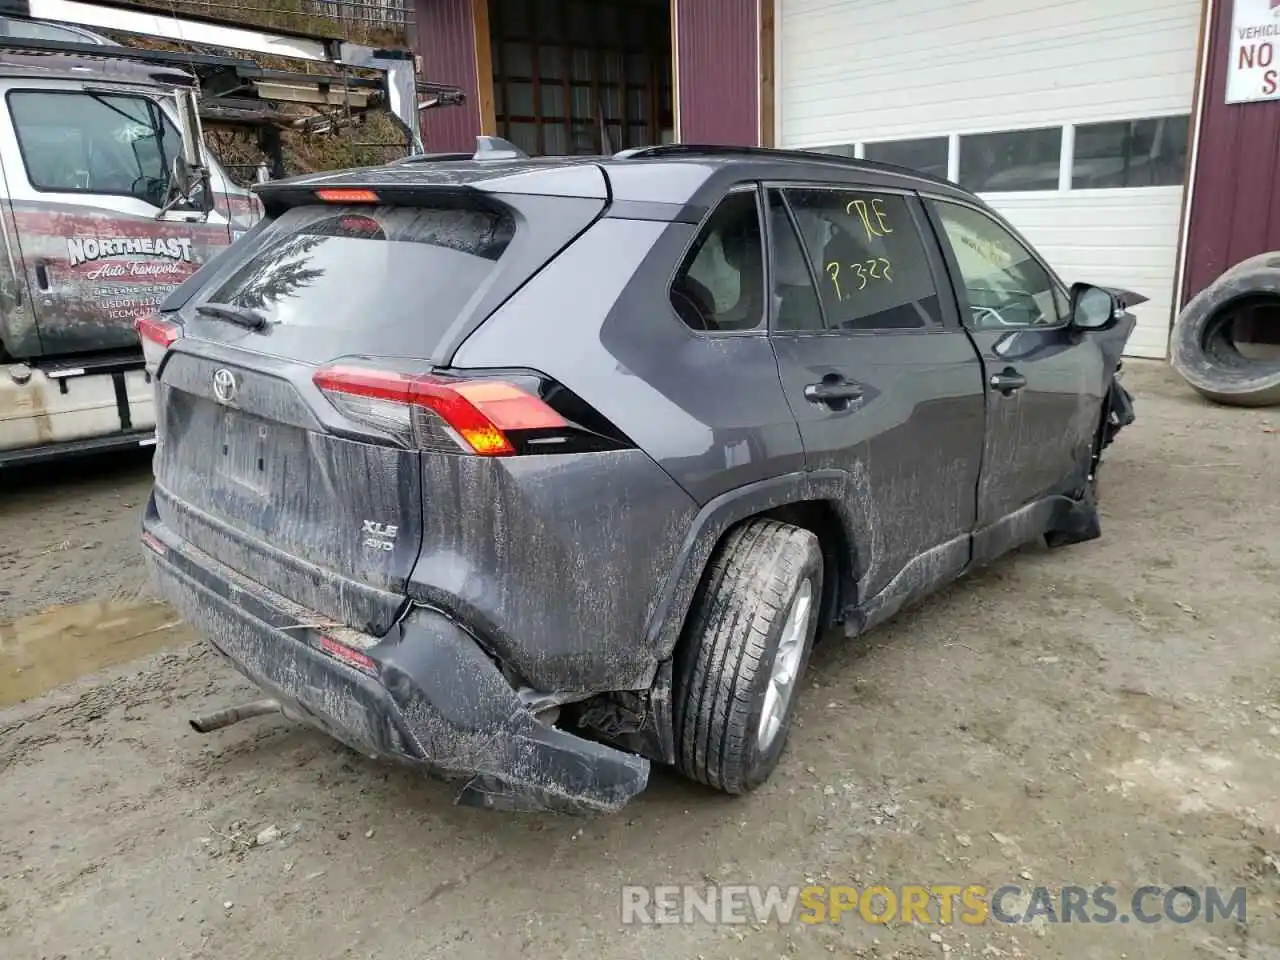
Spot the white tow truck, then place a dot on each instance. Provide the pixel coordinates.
(109, 200)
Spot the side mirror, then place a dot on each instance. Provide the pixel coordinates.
(190, 174)
(180, 177)
(1093, 308)
(189, 128)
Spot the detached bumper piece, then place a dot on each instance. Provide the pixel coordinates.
(1120, 412)
(425, 694)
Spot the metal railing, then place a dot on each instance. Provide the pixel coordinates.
(395, 16)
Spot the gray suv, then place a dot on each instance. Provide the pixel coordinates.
(536, 472)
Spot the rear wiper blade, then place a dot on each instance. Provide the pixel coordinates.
(241, 316)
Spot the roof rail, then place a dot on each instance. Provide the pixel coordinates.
(723, 150)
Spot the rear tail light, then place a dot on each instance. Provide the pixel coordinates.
(484, 416)
(157, 337)
(346, 195)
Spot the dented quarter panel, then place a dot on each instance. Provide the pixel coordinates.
(553, 560)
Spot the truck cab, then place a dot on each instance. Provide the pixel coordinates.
(94, 233)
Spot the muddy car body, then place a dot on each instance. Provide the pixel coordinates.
(538, 471)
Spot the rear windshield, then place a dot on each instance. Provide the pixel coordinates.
(361, 269)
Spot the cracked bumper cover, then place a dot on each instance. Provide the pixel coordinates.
(433, 698)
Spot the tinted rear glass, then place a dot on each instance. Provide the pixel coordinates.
(370, 269)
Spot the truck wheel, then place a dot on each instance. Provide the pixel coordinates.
(744, 651)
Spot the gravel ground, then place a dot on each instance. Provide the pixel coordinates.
(1107, 713)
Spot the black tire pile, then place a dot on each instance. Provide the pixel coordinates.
(1207, 334)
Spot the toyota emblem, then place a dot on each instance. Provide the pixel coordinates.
(224, 386)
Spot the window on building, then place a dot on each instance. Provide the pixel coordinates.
(95, 143)
(1130, 153)
(928, 155)
(795, 301)
(720, 286)
(869, 259)
(1011, 160)
(1005, 284)
(581, 78)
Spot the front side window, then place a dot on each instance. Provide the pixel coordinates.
(720, 286)
(872, 269)
(95, 143)
(1005, 284)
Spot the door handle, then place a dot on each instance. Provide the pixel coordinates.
(1008, 381)
(42, 276)
(833, 391)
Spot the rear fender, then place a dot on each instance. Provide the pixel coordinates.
(721, 513)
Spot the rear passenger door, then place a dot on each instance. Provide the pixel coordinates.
(883, 381)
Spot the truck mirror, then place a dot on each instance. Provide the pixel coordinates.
(189, 126)
(189, 179)
(180, 177)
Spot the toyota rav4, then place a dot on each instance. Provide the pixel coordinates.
(535, 472)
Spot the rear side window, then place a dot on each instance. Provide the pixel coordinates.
(370, 268)
(720, 285)
(795, 301)
(866, 251)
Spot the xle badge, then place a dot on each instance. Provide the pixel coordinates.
(379, 536)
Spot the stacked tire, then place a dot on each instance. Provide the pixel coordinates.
(1205, 348)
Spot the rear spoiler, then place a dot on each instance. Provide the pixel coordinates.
(496, 167)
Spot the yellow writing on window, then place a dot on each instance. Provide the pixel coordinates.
(865, 271)
(867, 212)
(833, 271)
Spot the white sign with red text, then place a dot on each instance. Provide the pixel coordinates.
(1253, 62)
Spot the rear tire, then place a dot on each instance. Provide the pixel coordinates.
(757, 607)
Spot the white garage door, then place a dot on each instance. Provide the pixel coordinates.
(1070, 118)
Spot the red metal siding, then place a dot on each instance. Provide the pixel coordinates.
(446, 43)
(718, 71)
(1235, 203)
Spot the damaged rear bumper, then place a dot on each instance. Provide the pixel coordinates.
(428, 695)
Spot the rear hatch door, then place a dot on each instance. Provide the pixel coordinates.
(256, 466)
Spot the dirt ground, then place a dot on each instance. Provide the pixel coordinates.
(1107, 713)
